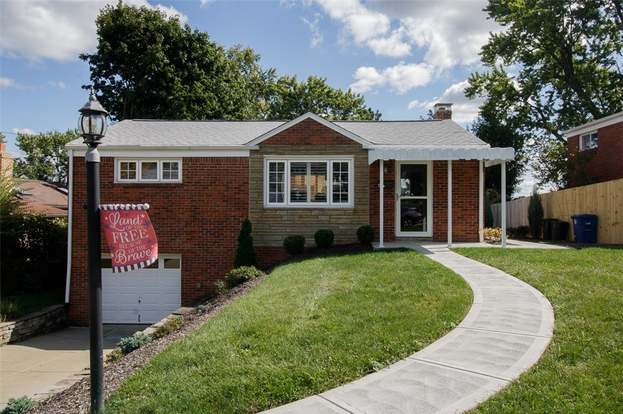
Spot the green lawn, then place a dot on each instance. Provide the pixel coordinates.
(582, 370)
(12, 307)
(309, 327)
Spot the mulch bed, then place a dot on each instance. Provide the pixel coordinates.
(76, 398)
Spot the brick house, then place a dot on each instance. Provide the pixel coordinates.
(203, 178)
(595, 151)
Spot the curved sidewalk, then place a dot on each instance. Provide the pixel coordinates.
(505, 332)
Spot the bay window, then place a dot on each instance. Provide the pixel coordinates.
(308, 183)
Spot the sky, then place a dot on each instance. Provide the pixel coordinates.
(402, 56)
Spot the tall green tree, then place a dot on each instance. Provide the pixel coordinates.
(148, 65)
(555, 64)
(45, 156)
(500, 132)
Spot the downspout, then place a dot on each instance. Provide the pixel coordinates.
(70, 185)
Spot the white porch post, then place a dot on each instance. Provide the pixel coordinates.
(503, 204)
(449, 203)
(381, 217)
(481, 191)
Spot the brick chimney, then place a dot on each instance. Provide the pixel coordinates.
(6, 161)
(442, 111)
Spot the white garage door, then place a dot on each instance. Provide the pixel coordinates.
(141, 296)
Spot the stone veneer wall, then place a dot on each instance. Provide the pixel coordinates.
(36, 323)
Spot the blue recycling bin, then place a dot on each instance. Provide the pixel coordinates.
(585, 228)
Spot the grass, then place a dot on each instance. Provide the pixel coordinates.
(308, 327)
(12, 307)
(582, 370)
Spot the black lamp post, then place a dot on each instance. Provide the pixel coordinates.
(92, 124)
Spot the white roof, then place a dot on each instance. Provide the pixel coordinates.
(237, 134)
(594, 125)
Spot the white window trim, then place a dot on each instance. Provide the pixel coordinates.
(140, 171)
(588, 134)
(139, 162)
(329, 159)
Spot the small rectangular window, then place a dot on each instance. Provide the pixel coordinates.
(170, 170)
(340, 182)
(298, 182)
(276, 182)
(149, 170)
(127, 170)
(589, 141)
(172, 263)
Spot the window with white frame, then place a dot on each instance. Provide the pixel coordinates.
(589, 141)
(148, 171)
(308, 183)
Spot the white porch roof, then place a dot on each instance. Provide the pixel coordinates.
(441, 152)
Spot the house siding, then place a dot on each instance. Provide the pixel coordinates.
(604, 163)
(272, 225)
(199, 218)
(464, 201)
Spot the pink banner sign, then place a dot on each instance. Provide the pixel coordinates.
(130, 236)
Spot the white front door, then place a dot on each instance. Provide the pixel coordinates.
(414, 199)
(142, 296)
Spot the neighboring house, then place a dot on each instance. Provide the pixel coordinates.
(40, 197)
(595, 151)
(203, 178)
(36, 196)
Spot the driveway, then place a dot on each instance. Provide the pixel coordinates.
(45, 364)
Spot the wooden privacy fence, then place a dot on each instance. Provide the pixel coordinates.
(602, 199)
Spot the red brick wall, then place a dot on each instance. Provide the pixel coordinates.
(309, 132)
(604, 163)
(389, 202)
(199, 218)
(464, 200)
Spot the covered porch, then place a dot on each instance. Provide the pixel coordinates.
(433, 193)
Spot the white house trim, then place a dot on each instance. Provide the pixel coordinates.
(320, 120)
(381, 201)
(166, 153)
(449, 203)
(441, 152)
(593, 125)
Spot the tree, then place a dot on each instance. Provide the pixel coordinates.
(535, 214)
(499, 132)
(245, 254)
(148, 65)
(45, 156)
(2, 138)
(555, 65)
(291, 98)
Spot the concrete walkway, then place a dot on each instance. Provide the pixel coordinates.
(505, 332)
(45, 364)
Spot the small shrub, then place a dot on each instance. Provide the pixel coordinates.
(220, 287)
(168, 327)
(535, 215)
(114, 356)
(134, 342)
(294, 244)
(492, 234)
(19, 405)
(324, 238)
(242, 274)
(365, 235)
(245, 254)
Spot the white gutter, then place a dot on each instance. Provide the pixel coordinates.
(70, 185)
(593, 125)
(446, 152)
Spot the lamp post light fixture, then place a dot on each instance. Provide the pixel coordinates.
(92, 125)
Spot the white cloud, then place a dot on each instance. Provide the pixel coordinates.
(57, 84)
(464, 110)
(58, 30)
(313, 25)
(23, 131)
(6, 82)
(447, 32)
(400, 78)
